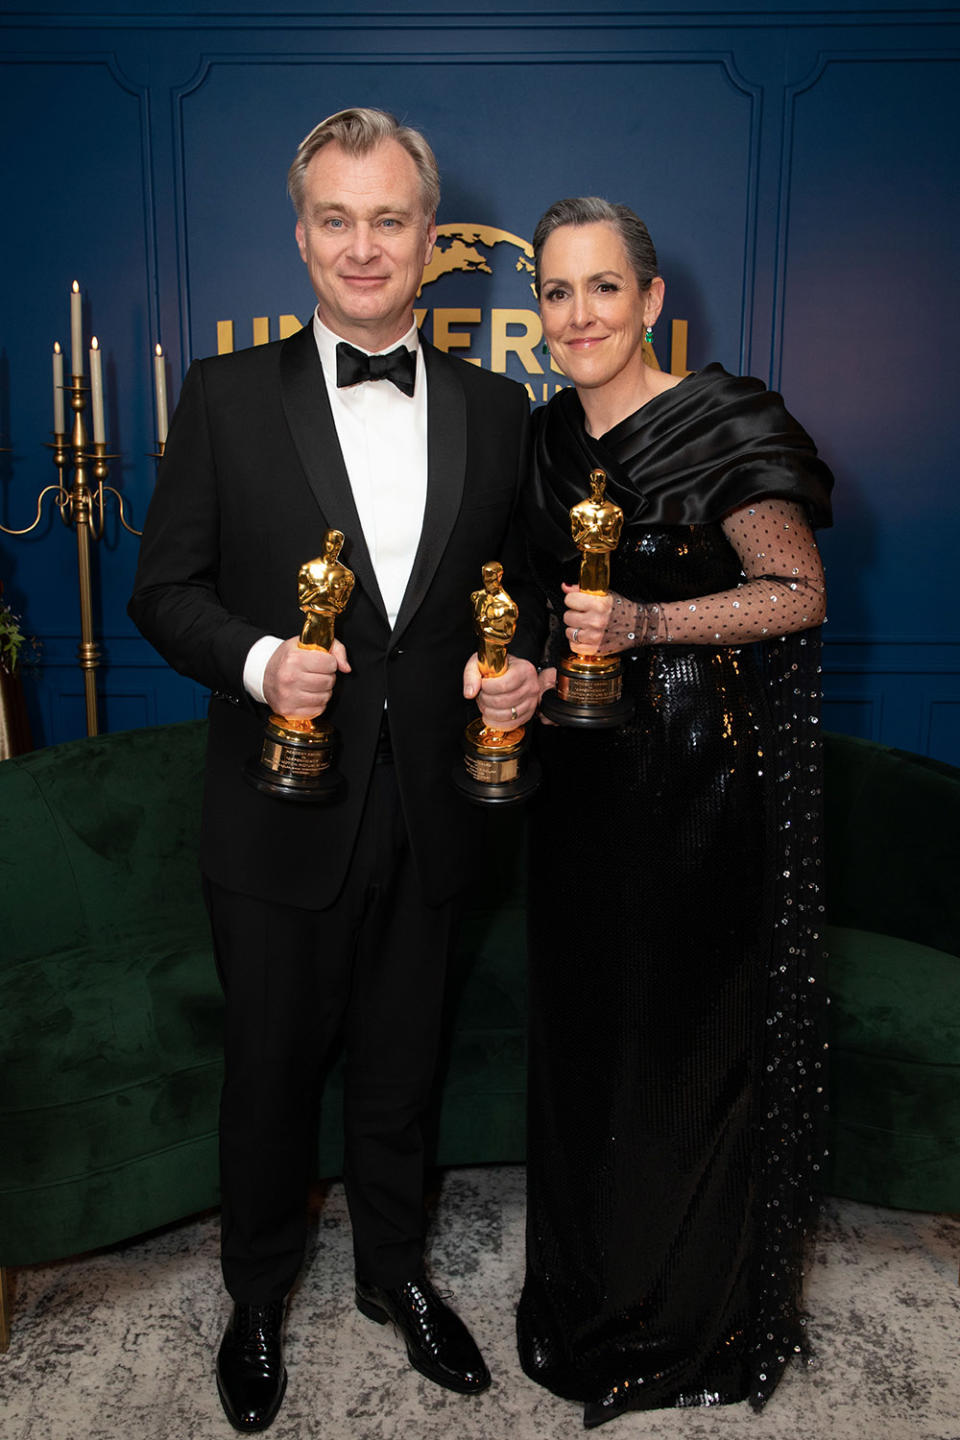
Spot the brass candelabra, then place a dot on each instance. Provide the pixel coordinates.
(79, 495)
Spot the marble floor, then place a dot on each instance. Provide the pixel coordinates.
(118, 1345)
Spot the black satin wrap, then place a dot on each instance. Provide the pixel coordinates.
(693, 454)
(676, 911)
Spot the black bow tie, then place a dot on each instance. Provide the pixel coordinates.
(353, 366)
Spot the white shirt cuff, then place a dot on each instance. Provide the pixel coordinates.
(256, 663)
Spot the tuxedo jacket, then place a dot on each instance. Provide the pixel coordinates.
(251, 479)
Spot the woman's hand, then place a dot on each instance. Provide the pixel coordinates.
(586, 618)
(600, 624)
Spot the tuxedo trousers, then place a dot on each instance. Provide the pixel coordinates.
(370, 967)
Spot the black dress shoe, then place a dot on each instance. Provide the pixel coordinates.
(250, 1374)
(439, 1345)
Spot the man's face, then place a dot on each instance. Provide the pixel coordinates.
(365, 240)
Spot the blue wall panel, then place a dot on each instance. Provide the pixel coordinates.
(868, 331)
(797, 167)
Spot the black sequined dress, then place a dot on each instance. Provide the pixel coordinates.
(674, 1071)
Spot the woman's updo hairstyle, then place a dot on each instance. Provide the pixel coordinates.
(591, 210)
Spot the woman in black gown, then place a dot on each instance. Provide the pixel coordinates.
(675, 903)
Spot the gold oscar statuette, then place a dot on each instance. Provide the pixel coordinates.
(589, 689)
(296, 761)
(496, 767)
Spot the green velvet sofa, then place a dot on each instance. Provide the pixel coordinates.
(110, 1011)
(893, 975)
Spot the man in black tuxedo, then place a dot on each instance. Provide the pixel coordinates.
(337, 919)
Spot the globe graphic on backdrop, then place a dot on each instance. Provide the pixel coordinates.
(479, 303)
(467, 249)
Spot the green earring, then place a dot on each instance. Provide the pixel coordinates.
(649, 335)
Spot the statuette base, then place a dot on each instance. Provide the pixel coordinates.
(589, 693)
(297, 763)
(497, 769)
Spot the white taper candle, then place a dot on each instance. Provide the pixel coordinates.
(59, 411)
(96, 392)
(76, 329)
(160, 376)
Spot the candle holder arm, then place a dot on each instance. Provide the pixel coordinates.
(62, 501)
(120, 511)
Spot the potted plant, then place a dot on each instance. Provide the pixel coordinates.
(14, 726)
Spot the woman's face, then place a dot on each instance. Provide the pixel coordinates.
(594, 314)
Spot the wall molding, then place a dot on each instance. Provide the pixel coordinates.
(567, 14)
(752, 92)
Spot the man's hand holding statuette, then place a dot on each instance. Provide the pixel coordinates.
(299, 681)
(505, 701)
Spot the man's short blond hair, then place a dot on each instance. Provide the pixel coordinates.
(358, 132)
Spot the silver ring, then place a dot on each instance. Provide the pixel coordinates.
(575, 634)
(513, 712)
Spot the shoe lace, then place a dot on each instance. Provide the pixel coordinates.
(257, 1327)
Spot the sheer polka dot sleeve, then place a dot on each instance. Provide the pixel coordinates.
(782, 590)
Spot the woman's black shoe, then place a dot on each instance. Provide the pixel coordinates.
(597, 1412)
(251, 1377)
(439, 1345)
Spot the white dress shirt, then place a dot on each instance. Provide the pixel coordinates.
(383, 437)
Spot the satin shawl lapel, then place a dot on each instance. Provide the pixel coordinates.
(305, 404)
(446, 467)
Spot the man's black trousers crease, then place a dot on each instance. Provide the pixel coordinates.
(373, 965)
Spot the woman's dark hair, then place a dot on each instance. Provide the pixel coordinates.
(591, 210)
